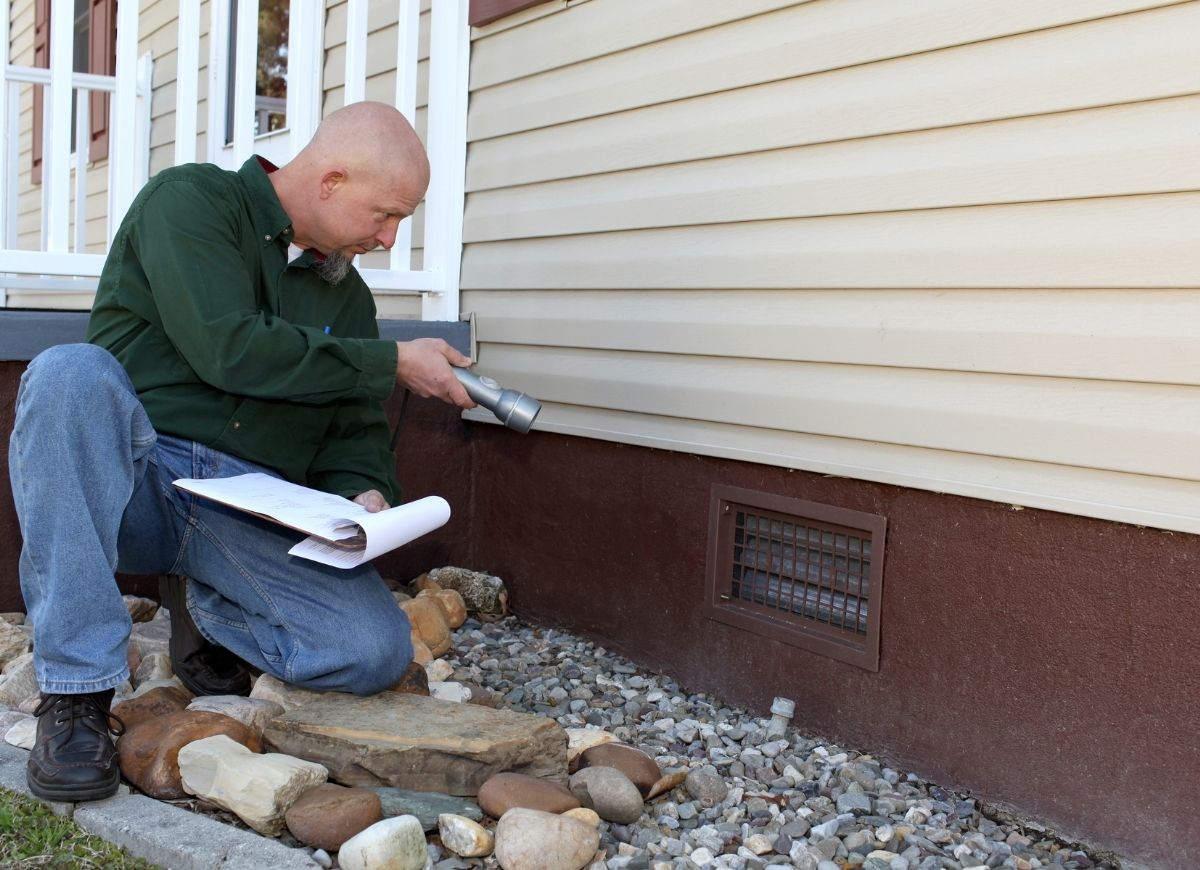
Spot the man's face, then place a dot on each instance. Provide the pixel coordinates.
(362, 214)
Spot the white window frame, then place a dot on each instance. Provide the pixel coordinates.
(305, 58)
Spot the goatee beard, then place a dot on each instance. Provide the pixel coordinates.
(334, 268)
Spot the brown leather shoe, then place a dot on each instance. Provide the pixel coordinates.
(73, 757)
(203, 667)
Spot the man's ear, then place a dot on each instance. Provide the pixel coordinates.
(331, 181)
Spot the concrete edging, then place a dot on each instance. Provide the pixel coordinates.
(160, 833)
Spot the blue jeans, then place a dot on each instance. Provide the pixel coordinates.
(92, 484)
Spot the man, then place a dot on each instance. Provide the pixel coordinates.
(229, 335)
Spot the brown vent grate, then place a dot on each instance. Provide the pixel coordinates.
(803, 573)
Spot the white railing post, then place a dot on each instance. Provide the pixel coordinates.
(244, 80)
(356, 52)
(83, 134)
(449, 51)
(56, 130)
(407, 51)
(8, 163)
(187, 75)
(304, 79)
(123, 173)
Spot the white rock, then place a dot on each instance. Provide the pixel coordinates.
(258, 788)
(533, 840)
(14, 642)
(20, 681)
(760, 844)
(140, 609)
(702, 857)
(456, 692)
(155, 666)
(464, 837)
(22, 733)
(439, 670)
(322, 858)
(125, 691)
(254, 713)
(581, 739)
(397, 843)
(267, 688)
(585, 815)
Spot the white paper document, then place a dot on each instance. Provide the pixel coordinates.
(343, 534)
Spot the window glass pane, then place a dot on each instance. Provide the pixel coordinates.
(270, 88)
(270, 101)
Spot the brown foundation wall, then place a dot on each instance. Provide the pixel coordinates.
(1043, 661)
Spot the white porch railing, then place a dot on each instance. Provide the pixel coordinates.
(60, 263)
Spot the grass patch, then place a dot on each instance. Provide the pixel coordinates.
(32, 836)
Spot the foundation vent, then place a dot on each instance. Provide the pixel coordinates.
(803, 573)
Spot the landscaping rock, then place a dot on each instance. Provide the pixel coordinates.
(289, 697)
(149, 752)
(414, 680)
(140, 609)
(254, 713)
(637, 766)
(22, 733)
(151, 704)
(429, 620)
(156, 666)
(413, 742)
(534, 840)
(609, 792)
(393, 844)
(426, 806)
(328, 815)
(579, 740)
(504, 791)
(259, 789)
(20, 681)
(465, 837)
(482, 593)
(14, 642)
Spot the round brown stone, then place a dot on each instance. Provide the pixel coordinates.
(328, 815)
(149, 752)
(504, 791)
(414, 680)
(159, 701)
(641, 769)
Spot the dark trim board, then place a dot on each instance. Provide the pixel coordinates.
(24, 333)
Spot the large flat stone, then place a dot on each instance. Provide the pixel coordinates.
(410, 741)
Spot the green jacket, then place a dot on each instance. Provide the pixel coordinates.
(229, 345)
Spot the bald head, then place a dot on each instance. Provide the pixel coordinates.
(368, 137)
(364, 171)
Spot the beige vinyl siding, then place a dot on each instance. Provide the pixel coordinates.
(940, 244)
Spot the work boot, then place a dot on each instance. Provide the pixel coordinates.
(202, 666)
(73, 757)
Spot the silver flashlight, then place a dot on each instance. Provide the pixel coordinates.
(512, 408)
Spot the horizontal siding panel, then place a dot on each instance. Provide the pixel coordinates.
(1150, 501)
(1126, 335)
(1119, 150)
(1129, 428)
(797, 41)
(1139, 241)
(547, 41)
(1130, 58)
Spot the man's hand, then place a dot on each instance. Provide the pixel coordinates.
(372, 500)
(423, 365)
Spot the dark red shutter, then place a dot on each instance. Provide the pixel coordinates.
(486, 11)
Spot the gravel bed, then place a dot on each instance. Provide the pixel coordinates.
(752, 801)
